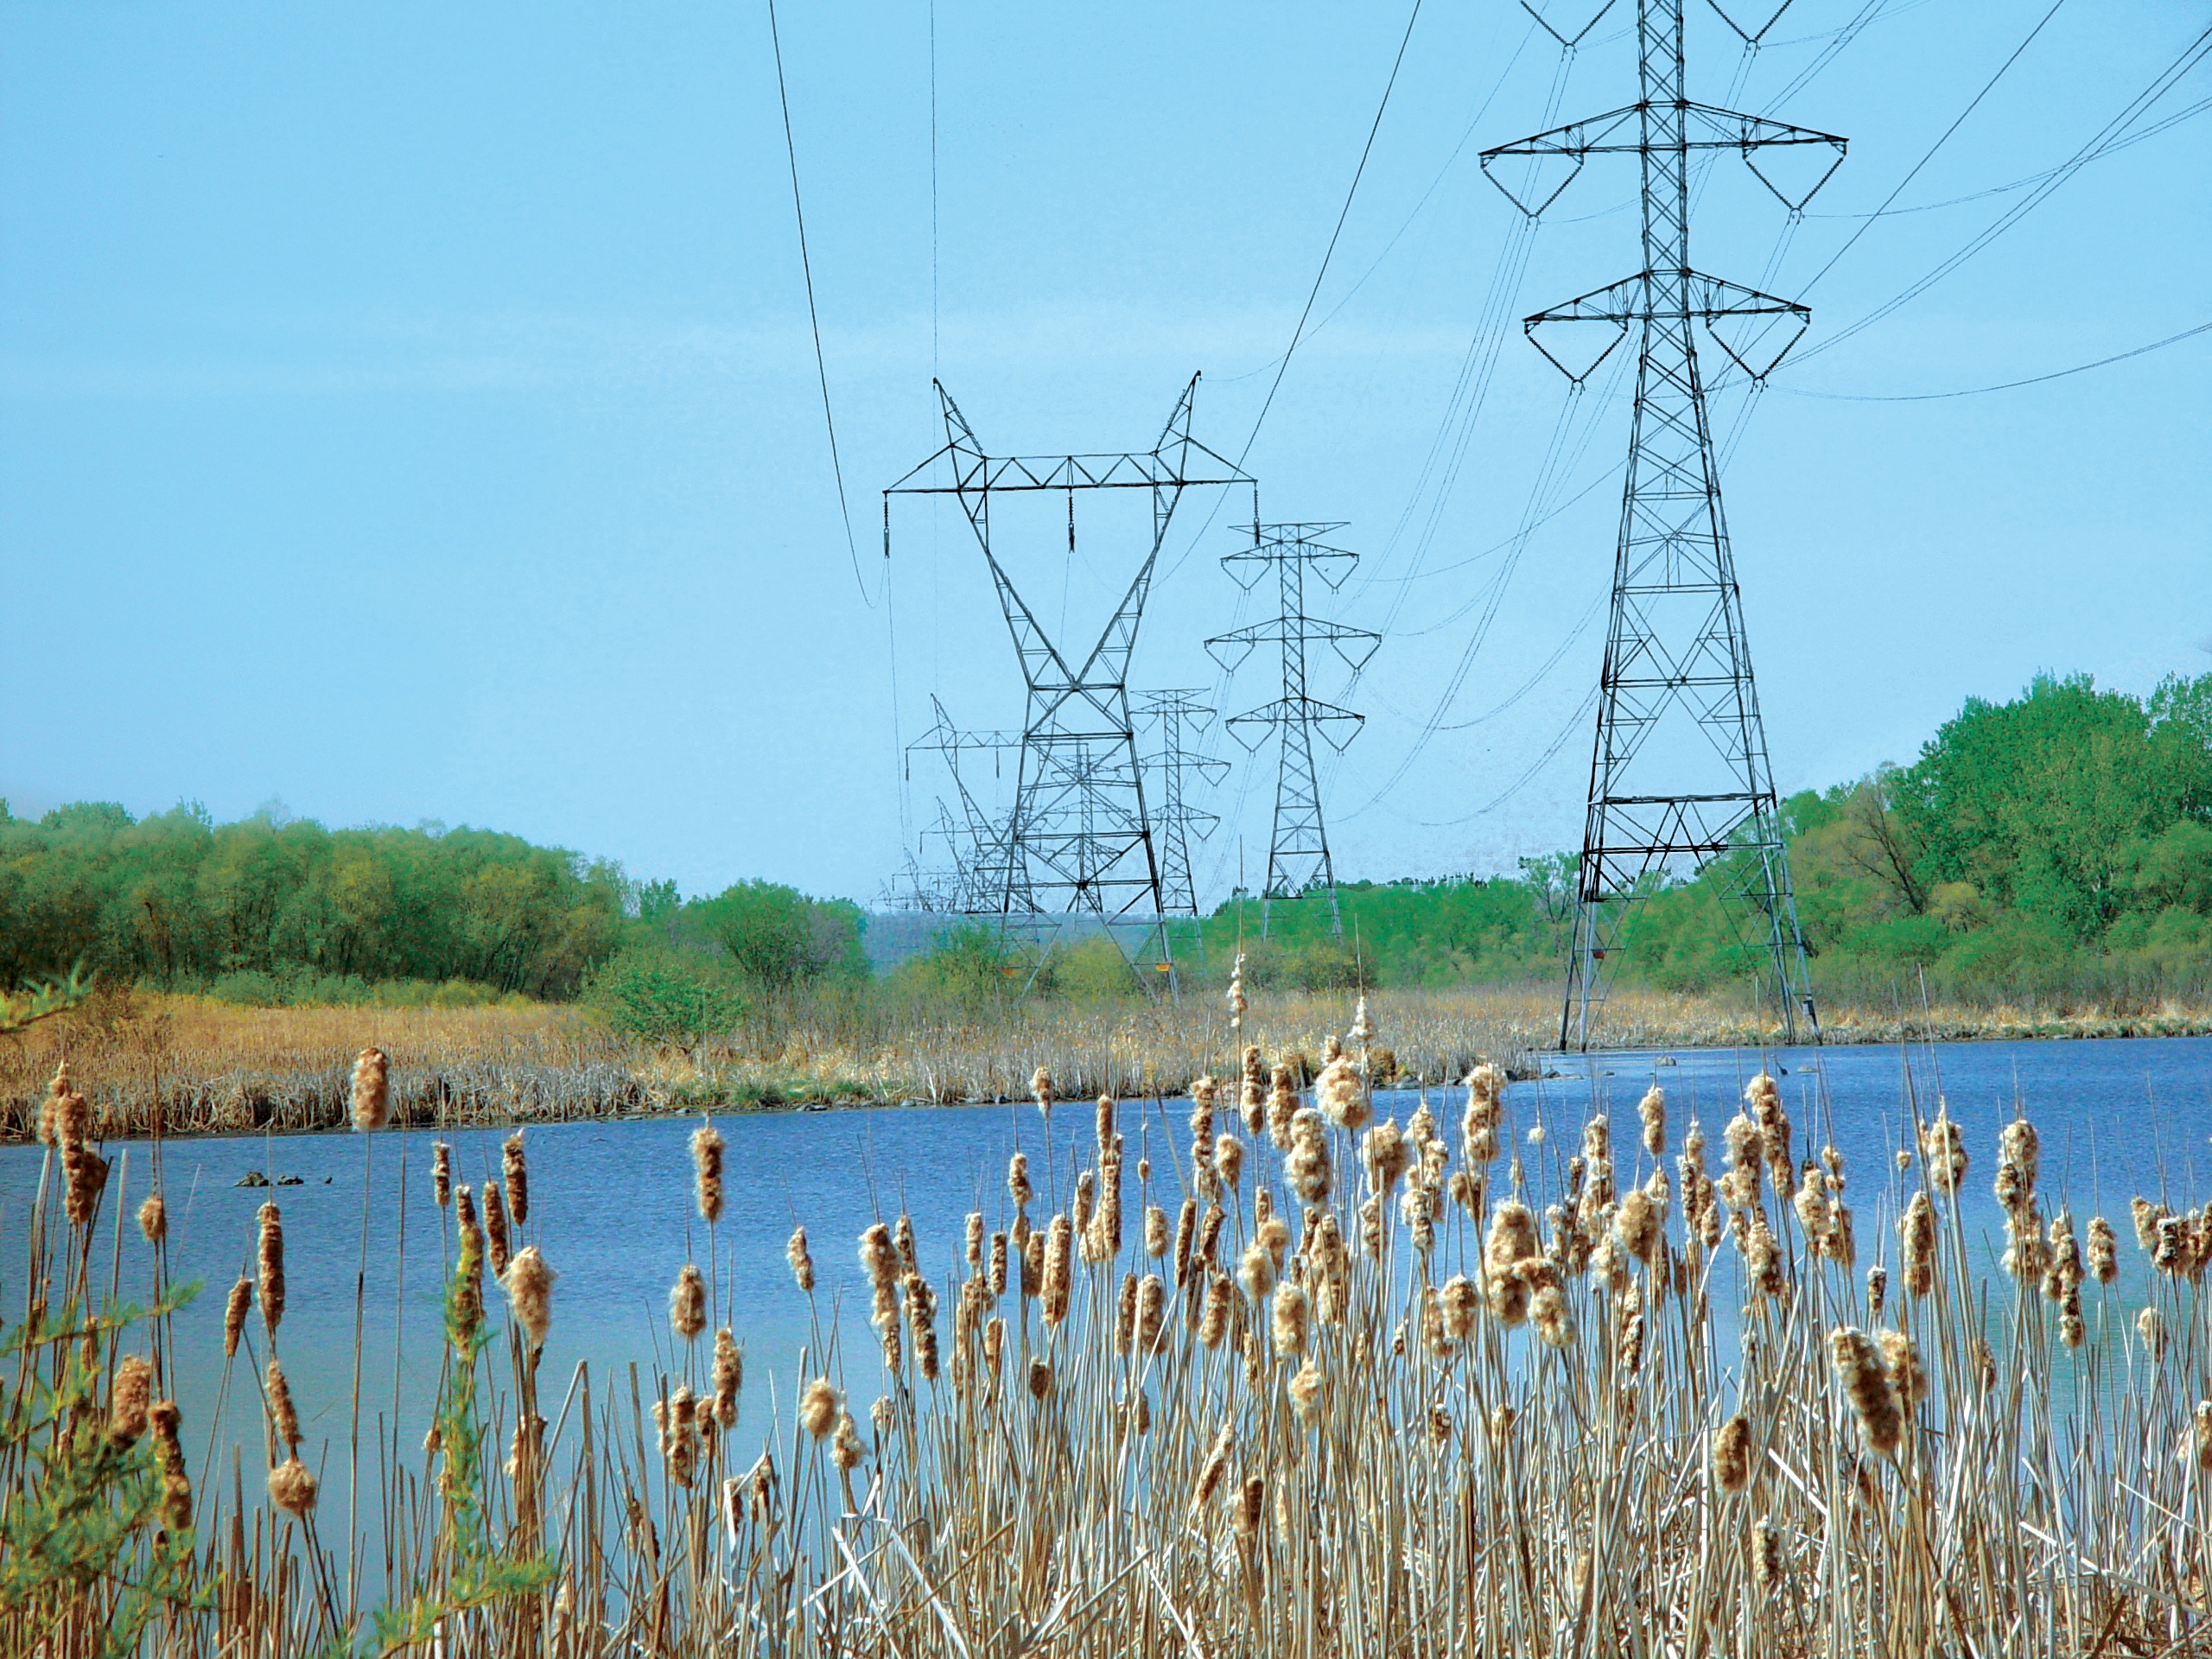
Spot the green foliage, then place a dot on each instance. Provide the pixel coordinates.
(971, 966)
(22, 1010)
(777, 938)
(81, 1525)
(177, 900)
(666, 995)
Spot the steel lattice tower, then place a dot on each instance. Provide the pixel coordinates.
(1170, 713)
(1679, 773)
(1298, 852)
(1079, 837)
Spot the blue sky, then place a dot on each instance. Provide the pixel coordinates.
(409, 412)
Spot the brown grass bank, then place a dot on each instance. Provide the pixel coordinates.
(204, 1067)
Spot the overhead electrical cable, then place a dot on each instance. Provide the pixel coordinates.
(814, 316)
(2006, 385)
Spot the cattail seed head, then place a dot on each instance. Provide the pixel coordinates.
(1151, 1313)
(1058, 1270)
(707, 1172)
(129, 1399)
(1040, 1090)
(83, 1174)
(972, 1239)
(240, 1303)
(1213, 1318)
(1155, 1231)
(1289, 1321)
(1256, 1272)
(268, 1267)
(1901, 1358)
(372, 1090)
(529, 1294)
(1040, 1377)
(879, 1257)
(2104, 1251)
(1857, 1362)
(176, 1486)
(1731, 1454)
(1916, 1234)
(1017, 1179)
(687, 1302)
(1766, 1554)
(994, 1275)
(1307, 1390)
(818, 1406)
(291, 1488)
(441, 1172)
(1877, 1290)
(516, 1169)
(801, 1264)
(1943, 1149)
(845, 1447)
(1228, 1158)
(282, 1416)
(495, 1229)
(154, 1219)
(2151, 1328)
(1652, 1108)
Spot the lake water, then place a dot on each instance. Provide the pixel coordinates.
(611, 1203)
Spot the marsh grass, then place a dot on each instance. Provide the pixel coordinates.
(1611, 1399)
(179, 1064)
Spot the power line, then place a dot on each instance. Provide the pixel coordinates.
(806, 265)
(1329, 253)
(2008, 386)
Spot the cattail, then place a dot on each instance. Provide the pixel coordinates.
(371, 1089)
(1256, 1272)
(996, 1274)
(845, 1448)
(1652, 1108)
(282, 1415)
(1058, 1270)
(1763, 1263)
(2104, 1257)
(49, 1107)
(994, 1343)
(1237, 1001)
(516, 1171)
(269, 1264)
(687, 1303)
(1917, 1233)
(1341, 1095)
(679, 1434)
(1155, 1231)
(921, 1319)
(1040, 1090)
(1281, 1106)
(2150, 1327)
(467, 1289)
(1213, 1318)
(707, 1171)
(1943, 1148)
(128, 1400)
(1731, 1454)
(1033, 1264)
(1125, 1315)
(1228, 1158)
(2172, 1253)
(1040, 1377)
(1857, 1362)
(1017, 1181)
(84, 1173)
(1289, 1320)
(1306, 1392)
(2147, 1216)
(176, 1486)
(1901, 1358)
(1637, 1226)
(1386, 1156)
(972, 1242)
(1306, 1166)
(2062, 1267)
(529, 1294)
(818, 1406)
(1547, 1312)
(902, 1239)
(154, 1218)
(1086, 1194)
(879, 1257)
(1217, 1465)
(1766, 1554)
(2071, 1331)
(1273, 1232)
(441, 1172)
(801, 1264)
(1152, 1313)
(1187, 1224)
(239, 1303)
(291, 1488)
(1458, 1301)
(1877, 1290)
(495, 1229)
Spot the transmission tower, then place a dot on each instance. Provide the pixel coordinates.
(977, 846)
(1679, 773)
(1170, 713)
(1079, 837)
(1298, 852)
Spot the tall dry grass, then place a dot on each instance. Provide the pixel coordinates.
(1332, 1386)
(191, 1065)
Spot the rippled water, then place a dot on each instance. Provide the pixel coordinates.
(611, 1203)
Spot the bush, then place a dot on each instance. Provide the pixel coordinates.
(666, 996)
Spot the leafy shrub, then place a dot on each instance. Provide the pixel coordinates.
(665, 995)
